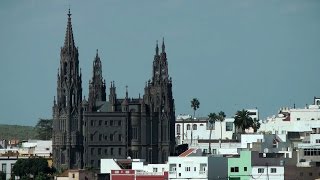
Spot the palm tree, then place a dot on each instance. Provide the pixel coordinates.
(256, 125)
(212, 117)
(195, 104)
(221, 116)
(242, 120)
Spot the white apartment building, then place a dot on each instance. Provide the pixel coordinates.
(309, 151)
(7, 163)
(267, 173)
(187, 128)
(294, 119)
(194, 167)
(36, 148)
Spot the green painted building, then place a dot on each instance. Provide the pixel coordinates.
(239, 168)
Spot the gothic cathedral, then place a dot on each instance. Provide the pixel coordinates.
(88, 130)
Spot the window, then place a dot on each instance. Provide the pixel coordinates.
(310, 173)
(111, 137)
(99, 151)
(92, 124)
(178, 128)
(317, 140)
(234, 169)
(92, 151)
(73, 176)
(188, 126)
(194, 168)
(105, 123)
(100, 137)
(135, 154)
(298, 119)
(260, 170)
(111, 151)
(201, 124)
(100, 122)
(134, 133)
(105, 137)
(91, 137)
(179, 165)
(4, 167)
(273, 170)
(194, 127)
(119, 123)
(312, 119)
(187, 168)
(245, 169)
(111, 122)
(312, 152)
(155, 170)
(119, 151)
(92, 162)
(179, 174)
(105, 151)
(12, 164)
(119, 137)
(229, 126)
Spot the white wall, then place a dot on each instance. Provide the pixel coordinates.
(107, 165)
(181, 165)
(202, 132)
(249, 139)
(267, 175)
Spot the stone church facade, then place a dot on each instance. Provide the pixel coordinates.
(87, 130)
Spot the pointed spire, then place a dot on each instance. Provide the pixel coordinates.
(126, 91)
(97, 58)
(163, 46)
(157, 49)
(69, 41)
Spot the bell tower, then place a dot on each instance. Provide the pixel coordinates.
(67, 110)
(158, 97)
(97, 86)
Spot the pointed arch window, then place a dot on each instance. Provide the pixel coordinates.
(178, 128)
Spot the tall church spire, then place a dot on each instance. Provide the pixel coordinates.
(163, 46)
(67, 114)
(157, 49)
(69, 41)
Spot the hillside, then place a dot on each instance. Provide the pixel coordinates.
(16, 132)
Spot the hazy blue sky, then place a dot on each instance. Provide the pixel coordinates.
(229, 54)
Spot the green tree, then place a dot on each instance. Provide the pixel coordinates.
(242, 120)
(44, 129)
(2, 175)
(35, 167)
(212, 118)
(221, 117)
(195, 104)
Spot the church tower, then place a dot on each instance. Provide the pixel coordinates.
(67, 111)
(97, 86)
(158, 97)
